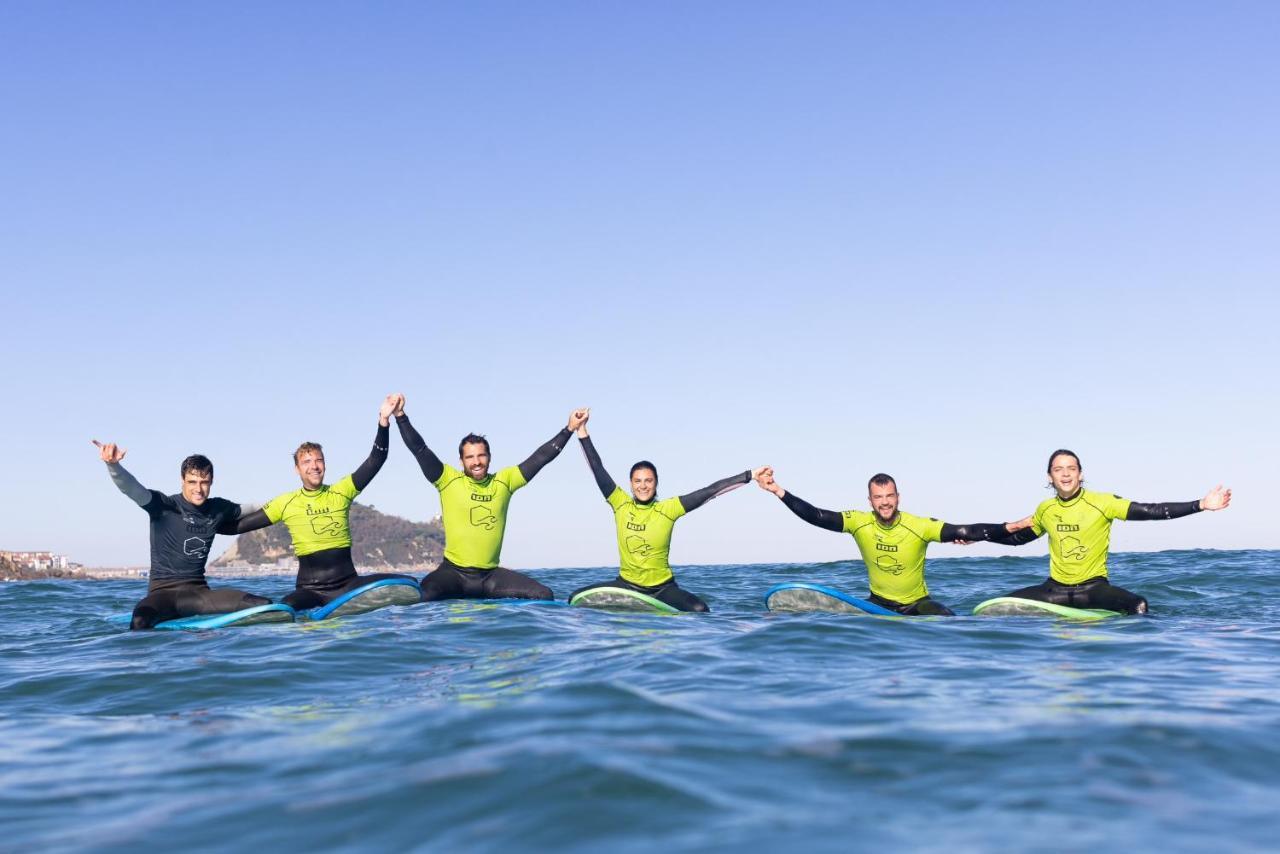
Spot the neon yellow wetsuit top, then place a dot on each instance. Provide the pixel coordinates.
(644, 537)
(894, 554)
(475, 514)
(1079, 533)
(318, 519)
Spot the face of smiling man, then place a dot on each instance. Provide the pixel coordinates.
(884, 500)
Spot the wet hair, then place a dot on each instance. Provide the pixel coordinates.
(881, 479)
(644, 464)
(306, 447)
(473, 439)
(198, 463)
(1059, 453)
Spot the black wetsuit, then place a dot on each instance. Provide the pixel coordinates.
(460, 496)
(326, 574)
(181, 536)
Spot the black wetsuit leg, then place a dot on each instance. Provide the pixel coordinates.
(324, 576)
(670, 594)
(503, 583)
(925, 607)
(1093, 593)
(679, 598)
(190, 600)
(450, 581)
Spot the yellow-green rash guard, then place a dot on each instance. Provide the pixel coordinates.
(894, 554)
(475, 515)
(317, 519)
(1079, 533)
(644, 537)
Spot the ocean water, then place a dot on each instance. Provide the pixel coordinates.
(467, 726)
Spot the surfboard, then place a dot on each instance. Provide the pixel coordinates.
(257, 615)
(621, 599)
(1010, 606)
(370, 597)
(799, 598)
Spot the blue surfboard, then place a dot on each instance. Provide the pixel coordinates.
(370, 597)
(257, 615)
(806, 598)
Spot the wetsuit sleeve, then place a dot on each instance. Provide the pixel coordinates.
(129, 485)
(828, 519)
(603, 481)
(373, 463)
(977, 532)
(694, 500)
(545, 454)
(427, 460)
(1139, 512)
(1017, 538)
(246, 523)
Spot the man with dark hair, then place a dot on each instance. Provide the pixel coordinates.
(182, 530)
(892, 543)
(473, 507)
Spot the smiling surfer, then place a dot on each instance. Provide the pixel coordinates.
(473, 508)
(1078, 522)
(892, 543)
(182, 530)
(645, 525)
(317, 516)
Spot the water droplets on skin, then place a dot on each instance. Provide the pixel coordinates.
(489, 726)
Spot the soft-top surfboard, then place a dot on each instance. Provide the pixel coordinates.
(370, 597)
(799, 597)
(1011, 606)
(621, 599)
(257, 615)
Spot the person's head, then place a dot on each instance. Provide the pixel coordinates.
(882, 492)
(1065, 472)
(473, 452)
(644, 481)
(197, 478)
(309, 461)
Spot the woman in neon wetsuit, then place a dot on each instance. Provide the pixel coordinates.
(645, 526)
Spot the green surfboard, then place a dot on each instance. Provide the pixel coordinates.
(621, 599)
(1009, 606)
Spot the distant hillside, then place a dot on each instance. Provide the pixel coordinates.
(378, 540)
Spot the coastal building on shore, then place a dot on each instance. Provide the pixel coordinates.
(37, 560)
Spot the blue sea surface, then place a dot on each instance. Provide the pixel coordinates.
(479, 727)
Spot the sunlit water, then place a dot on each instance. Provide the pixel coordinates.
(493, 727)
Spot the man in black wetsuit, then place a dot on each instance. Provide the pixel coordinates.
(182, 529)
(473, 506)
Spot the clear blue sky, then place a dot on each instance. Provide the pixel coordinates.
(934, 239)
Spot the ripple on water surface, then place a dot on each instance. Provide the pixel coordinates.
(477, 726)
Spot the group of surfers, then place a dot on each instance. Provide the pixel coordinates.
(474, 504)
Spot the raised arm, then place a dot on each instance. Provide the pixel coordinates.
(1216, 499)
(552, 448)
(828, 519)
(603, 481)
(430, 464)
(696, 499)
(112, 454)
(381, 442)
